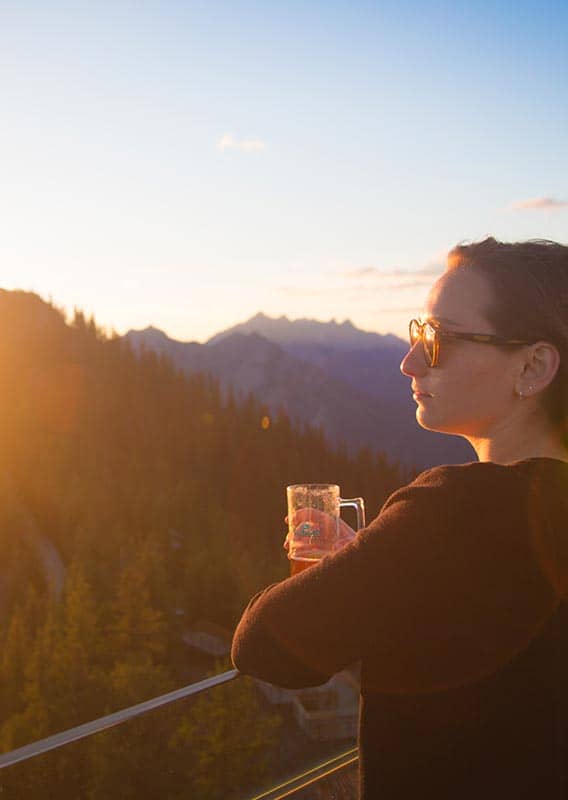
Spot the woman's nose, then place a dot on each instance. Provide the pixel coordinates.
(414, 363)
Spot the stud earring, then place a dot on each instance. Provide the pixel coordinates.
(521, 395)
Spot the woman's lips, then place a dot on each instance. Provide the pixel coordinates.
(420, 395)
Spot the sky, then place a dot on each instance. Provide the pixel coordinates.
(188, 164)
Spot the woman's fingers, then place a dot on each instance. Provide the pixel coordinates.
(336, 533)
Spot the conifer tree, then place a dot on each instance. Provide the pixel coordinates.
(228, 742)
(15, 652)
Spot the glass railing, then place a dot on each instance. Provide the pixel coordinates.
(216, 739)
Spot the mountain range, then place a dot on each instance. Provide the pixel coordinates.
(327, 374)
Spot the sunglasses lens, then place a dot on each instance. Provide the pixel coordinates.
(429, 342)
(415, 332)
(427, 334)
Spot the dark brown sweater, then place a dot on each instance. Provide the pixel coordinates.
(453, 600)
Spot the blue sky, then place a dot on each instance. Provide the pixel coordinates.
(187, 164)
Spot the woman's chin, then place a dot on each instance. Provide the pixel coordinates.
(428, 421)
(437, 424)
(423, 418)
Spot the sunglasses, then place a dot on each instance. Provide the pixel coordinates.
(431, 336)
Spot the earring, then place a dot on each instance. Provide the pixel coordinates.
(521, 394)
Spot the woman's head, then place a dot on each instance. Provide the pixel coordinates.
(518, 292)
(529, 299)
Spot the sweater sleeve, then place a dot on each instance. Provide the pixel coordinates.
(301, 631)
(439, 580)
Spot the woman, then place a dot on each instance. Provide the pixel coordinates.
(453, 598)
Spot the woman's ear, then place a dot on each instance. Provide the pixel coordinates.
(539, 369)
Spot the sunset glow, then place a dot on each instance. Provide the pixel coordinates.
(187, 166)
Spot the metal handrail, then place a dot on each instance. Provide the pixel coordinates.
(109, 721)
(298, 782)
(279, 792)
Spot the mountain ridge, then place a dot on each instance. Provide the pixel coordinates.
(343, 335)
(356, 394)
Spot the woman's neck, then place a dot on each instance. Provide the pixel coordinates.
(533, 439)
(489, 451)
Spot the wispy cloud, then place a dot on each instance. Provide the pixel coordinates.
(376, 272)
(356, 289)
(367, 283)
(363, 272)
(539, 203)
(228, 142)
(394, 278)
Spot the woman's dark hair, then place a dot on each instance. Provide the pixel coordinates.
(529, 281)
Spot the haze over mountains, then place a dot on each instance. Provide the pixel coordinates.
(332, 375)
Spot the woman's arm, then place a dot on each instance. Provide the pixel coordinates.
(442, 587)
(301, 631)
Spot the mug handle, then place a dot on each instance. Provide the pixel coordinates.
(359, 505)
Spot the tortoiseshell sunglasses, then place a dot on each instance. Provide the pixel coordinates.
(431, 336)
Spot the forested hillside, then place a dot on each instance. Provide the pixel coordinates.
(134, 501)
(321, 373)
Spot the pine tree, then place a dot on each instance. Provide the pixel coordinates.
(138, 630)
(15, 654)
(228, 741)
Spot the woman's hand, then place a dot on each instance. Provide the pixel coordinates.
(333, 534)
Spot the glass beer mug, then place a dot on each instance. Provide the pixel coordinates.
(313, 522)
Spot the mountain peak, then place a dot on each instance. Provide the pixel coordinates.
(149, 333)
(290, 333)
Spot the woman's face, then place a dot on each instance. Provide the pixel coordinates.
(472, 390)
